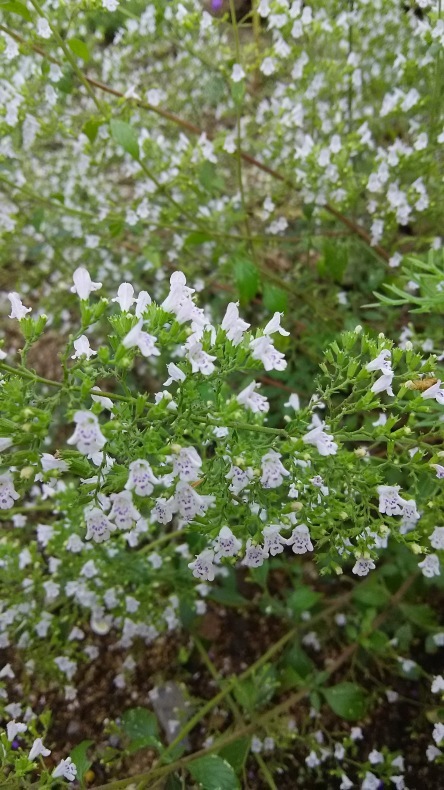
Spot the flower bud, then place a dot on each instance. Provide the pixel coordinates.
(27, 472)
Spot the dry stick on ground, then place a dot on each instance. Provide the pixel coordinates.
(248, 729)
(190, 127)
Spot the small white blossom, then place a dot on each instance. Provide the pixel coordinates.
(202, 566)
(273, 541)
(125, 297)
(438, 732)
(263, 349)
(43, 29)
(87, 436)
(300, 540)
(83, 285)
(8, 494)
(98, 525)
(66, 769)
(237, 73)
(240, 478)
(430, 566)
(145, 343)
(201, 362)
(254, 555)
(187, 463)
(436, 392)
(363, 566)
(233, 325)
(18, 310)
(38, 749)
(390, 502)
(273, 472)
(123, 512)
(382, 362)
(253, 400)
(141, 478)
(437, 538)
(174, 373)
(82, 348)
(13, 728)
(226, 544)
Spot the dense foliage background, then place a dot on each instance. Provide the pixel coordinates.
(221, 458)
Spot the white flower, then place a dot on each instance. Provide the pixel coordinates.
(300, 539)
(382, 362)
(346, 784)
(5, 442)
(98, 525)
(390, 502)
(125, 297)
(179, 293)
(268, 66)
(321, 440)
(226, 544)
(201, 362)
(237, 73)
(175, 374)
(240, 478)
(293, 402)
(202, 566)
(141, 478)
(439, 471)
(123, 512)
(275, 326)
(8, 494)
(38, 749)
(233, 325)
(186, 464)
(435, 392)
(273, 541)
(18, 310)
(437, 538)
(43, 29)
(83, 285)
(82, 348)
(50, 462)
(437, 684)
(253, 400)
(142, 302)
(438, 732)
(87, 435)
(66, 769)
(371, 782)
(432, 753)
(273, 472)
(163, 510)
(430, 566)
(263, 349)
(410, 515)
(383, 384)
(189, 503)
(13, 728)
(254, 555)
(137, 337)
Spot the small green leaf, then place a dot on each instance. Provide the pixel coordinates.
(347, 700)
(371, 593)
(80, 758)
(91, 128)
(123, 134)
(213, 773)
(140, 724)
(17, 8)
(236, 753)
(79, 48)
(275, 299)
(302, 598)
(247, 279)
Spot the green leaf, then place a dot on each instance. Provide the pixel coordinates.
(334, 261)
(371, 593)
(236, 753)
(227, 597)
(347, 700)
(123, 134)
(91, 128)
(17, 8)
(140, 724)
(247, 279)
(275, 299)
(80, 758)
(213, 773)
(302, 598)
(79, 48)
(197, 237)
